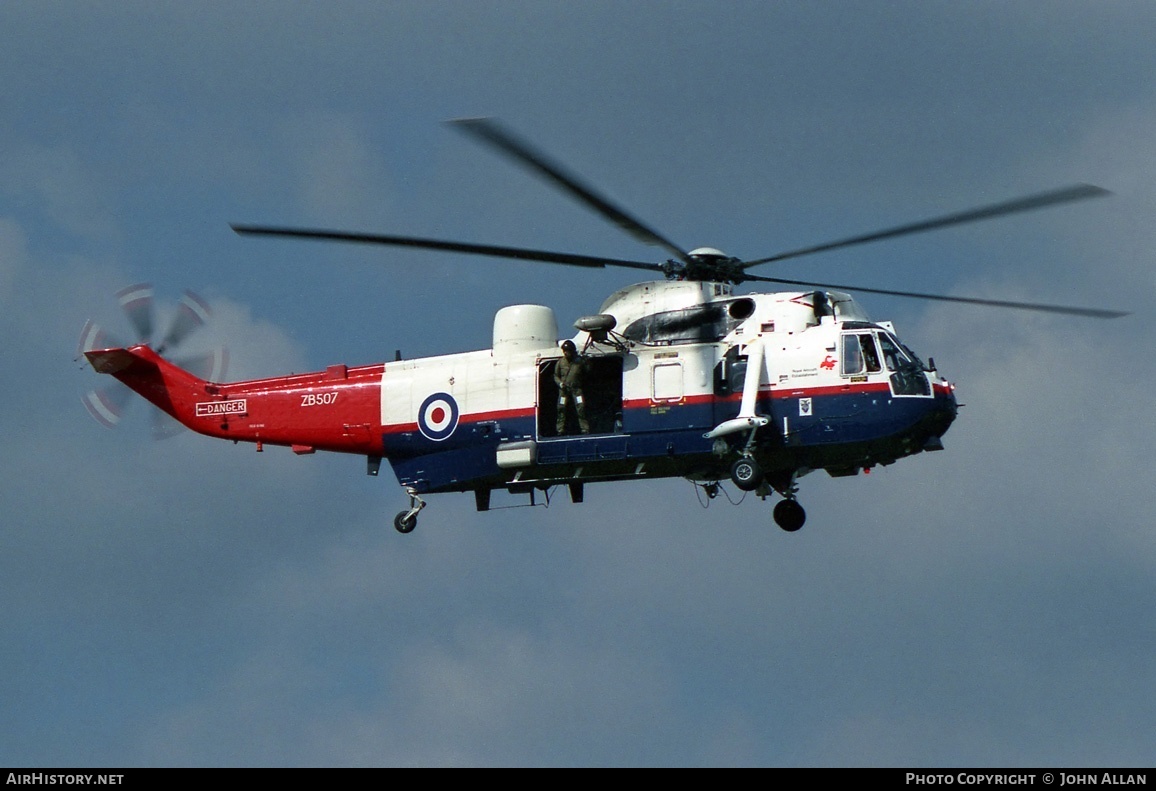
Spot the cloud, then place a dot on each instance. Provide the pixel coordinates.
(256, 347)
(340, 172)
(54, 180)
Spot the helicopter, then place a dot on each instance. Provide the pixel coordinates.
(677, 376)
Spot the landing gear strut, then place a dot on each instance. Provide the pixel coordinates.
(406, 521)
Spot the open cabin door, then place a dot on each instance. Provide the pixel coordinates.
(601, 392)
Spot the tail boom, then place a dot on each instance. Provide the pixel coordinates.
(338, 409)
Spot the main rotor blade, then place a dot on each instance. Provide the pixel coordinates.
(1096, 313)
(1076, 192)
(519, 253)
(489, 131)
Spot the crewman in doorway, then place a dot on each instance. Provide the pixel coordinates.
(569, 373)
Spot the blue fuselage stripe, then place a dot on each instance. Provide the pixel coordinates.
(468, 458)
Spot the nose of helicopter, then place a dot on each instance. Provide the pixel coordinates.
(941, 413)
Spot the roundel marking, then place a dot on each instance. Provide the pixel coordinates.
(438, 416)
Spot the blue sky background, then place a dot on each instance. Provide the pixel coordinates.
(191, 602)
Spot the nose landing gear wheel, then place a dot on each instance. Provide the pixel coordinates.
(789, 515)
(746, 474)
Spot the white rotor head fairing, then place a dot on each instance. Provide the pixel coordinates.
(708, 252)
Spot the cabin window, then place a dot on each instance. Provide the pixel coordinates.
(668, 382)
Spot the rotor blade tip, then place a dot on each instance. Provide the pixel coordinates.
(479, 125)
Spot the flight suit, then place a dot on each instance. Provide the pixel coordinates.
(569, 376)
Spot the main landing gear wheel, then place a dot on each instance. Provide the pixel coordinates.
(405, 522)
(746, 474)
(789, 515)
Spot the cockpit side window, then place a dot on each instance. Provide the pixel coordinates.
(870, 355)
(852, 359)
(860, 354)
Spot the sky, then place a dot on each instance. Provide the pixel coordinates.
(191, 602)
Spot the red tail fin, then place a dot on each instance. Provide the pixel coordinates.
(171, 388)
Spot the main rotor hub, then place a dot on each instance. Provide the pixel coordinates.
(711, 264)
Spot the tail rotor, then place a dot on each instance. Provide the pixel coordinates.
(107, 404)
(137, 304)
(192, 314)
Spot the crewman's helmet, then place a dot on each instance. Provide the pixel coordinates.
(568, 346)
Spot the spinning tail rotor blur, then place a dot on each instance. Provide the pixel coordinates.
(107, 404)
